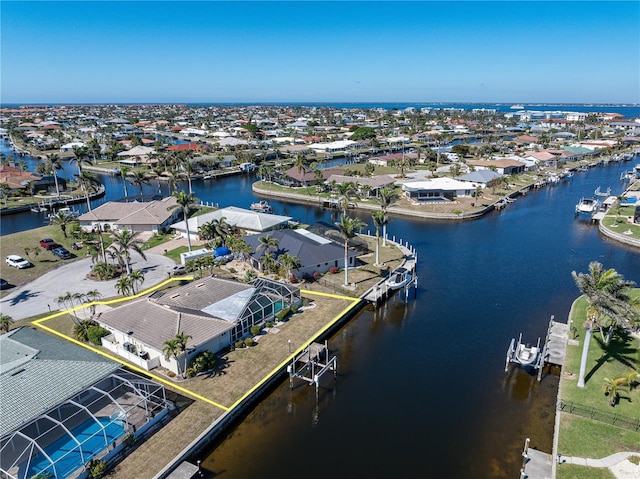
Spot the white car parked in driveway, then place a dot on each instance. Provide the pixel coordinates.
(17, 261)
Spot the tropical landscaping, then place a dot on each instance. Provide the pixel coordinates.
(600, 384)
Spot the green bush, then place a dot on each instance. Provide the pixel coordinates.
(294, 308)
(239, 344)
(282, 314)
(269, 324)
(95, 333)
(232, 270)
(305, 302)
(204, 361)
(129, 440)
(96, 468)
(255, 329)
(249, 342)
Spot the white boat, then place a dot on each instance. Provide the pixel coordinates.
(587, 206)
(553, 179)
(523, 354)
(517, 106)
(399, 278)
(526, 355)
(261, 207)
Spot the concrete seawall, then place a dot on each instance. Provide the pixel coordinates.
(229, 418)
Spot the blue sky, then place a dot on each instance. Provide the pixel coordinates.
(108, 52)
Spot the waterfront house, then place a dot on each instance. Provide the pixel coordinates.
(17, 179)
(139, 216)
(367, 187)
(138, 155)
(481, 178)
(316, 253)
(438, 189)
(305, 177)
(62, 404)
(215, 312)
(504, 166)
(251, 222)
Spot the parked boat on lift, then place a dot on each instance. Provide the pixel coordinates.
(262, 206)
(523, 354)
(399, 278)
(587, 206)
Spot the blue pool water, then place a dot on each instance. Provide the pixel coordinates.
(65, 452)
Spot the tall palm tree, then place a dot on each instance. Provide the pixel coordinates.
(267, 244)
(170, 348)
(387, 196)
(607, 294)
(137, 278)
(379, 220)
(124, 170)
(124, 285)
(139, 178)
(87, 181)
(348, 228)
(187, 202)
(127, 240)
(346, 191)
(5, 322)
(289, 263)
(62, 219)
(53, 165)
(181, 343)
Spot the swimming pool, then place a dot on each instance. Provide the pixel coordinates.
(65, 452)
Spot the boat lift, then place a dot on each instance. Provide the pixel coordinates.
(525, 355)
(311, 364)
(551, 354)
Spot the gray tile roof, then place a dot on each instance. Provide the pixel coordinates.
(153, 323)
(40, 371)
(309, 248)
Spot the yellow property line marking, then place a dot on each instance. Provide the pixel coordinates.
(117, 359)
(39, 323)
(354, 303)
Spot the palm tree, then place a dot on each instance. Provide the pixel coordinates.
(91, 297)
(348, 228)
(137, 278)
(170, 348)
(268, 263)
(387, 196)
(124, 170)
(607, 294)
(53, 165)
(62, 219)
(214, 229)
(4, 192)
(301, 167)
(289, 263)
(379, 220)
(187, 202)
(5, 322)
(181, 343)
(139, 178)
(124, 285)
(87, 181)
(267, 244)
(346, 191)
(126, 240)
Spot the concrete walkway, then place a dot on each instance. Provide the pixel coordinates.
(608, 461)
(41, 295)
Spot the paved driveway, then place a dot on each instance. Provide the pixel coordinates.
(41, 295)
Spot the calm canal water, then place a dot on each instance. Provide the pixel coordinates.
(421, 390)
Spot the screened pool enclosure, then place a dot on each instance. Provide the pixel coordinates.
(88, 425)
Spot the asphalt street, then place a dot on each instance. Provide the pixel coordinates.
(41, 295)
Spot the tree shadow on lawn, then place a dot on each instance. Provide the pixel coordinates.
(220, 369)
(619, 349)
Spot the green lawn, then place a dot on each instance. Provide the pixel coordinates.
(585, 437)
(571, 471)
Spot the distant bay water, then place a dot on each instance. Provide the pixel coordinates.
(628, 110)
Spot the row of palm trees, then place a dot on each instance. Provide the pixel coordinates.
(610, 306)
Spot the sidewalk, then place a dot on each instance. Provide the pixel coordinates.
(608, 461)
